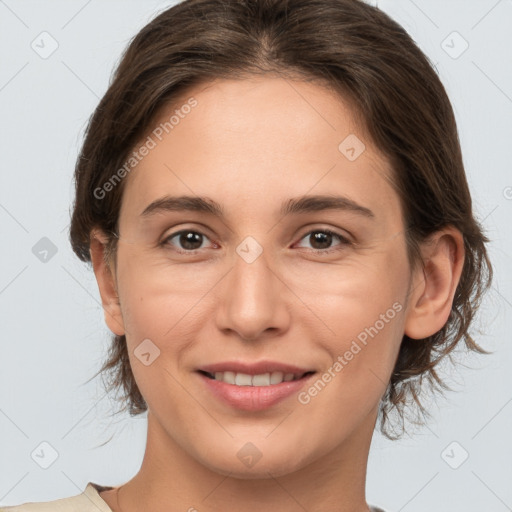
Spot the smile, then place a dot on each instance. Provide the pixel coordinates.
(261, 389)
(262, 379)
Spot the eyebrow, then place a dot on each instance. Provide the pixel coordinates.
(304, 204)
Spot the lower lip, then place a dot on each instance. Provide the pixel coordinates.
(253, 398)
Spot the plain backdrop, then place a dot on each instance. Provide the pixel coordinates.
(53, 336)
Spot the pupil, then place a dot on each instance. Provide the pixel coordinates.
(320, 237)
(188, 240)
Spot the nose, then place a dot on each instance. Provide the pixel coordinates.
(254, 300)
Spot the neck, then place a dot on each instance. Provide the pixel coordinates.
(171, 479)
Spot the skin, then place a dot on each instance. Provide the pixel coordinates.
(250, 145)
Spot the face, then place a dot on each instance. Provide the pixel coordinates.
(319, 286)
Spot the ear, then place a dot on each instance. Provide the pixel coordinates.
(433, 287)
(105, 277)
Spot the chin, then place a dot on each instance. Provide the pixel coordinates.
(248, 463)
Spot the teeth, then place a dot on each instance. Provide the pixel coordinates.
(261, 380)
(228, 377)
(242, 379)
(276, 377)
(264, 379)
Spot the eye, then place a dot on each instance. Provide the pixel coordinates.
(188, 240)
(321, 240)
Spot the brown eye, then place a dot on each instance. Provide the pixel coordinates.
(321, 240)
(187, 240)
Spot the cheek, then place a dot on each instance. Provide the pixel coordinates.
(159, 297)
(356, 294)
(361, 358)
(165, 304)
(362, 311)
(161, 324)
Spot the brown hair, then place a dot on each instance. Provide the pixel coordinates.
(358, 51)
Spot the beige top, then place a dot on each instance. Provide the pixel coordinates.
(88, 501)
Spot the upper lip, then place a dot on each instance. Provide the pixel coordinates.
(254, 368)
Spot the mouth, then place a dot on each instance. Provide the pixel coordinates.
(257, 380)
(253, 387)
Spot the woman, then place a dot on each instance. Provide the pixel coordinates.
(273, 199)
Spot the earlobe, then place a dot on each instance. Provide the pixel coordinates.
(105, 277)
(431, 297)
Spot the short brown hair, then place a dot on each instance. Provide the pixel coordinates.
(348, 45)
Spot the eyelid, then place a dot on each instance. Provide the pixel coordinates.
(345, 235)
(172, 232)
(343, 239)
(165, 239)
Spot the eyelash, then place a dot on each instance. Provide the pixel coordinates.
(343, 241)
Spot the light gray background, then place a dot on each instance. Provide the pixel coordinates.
(53, 334)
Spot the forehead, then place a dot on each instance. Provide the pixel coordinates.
(260, 140)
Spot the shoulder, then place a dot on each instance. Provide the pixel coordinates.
(88, 501)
